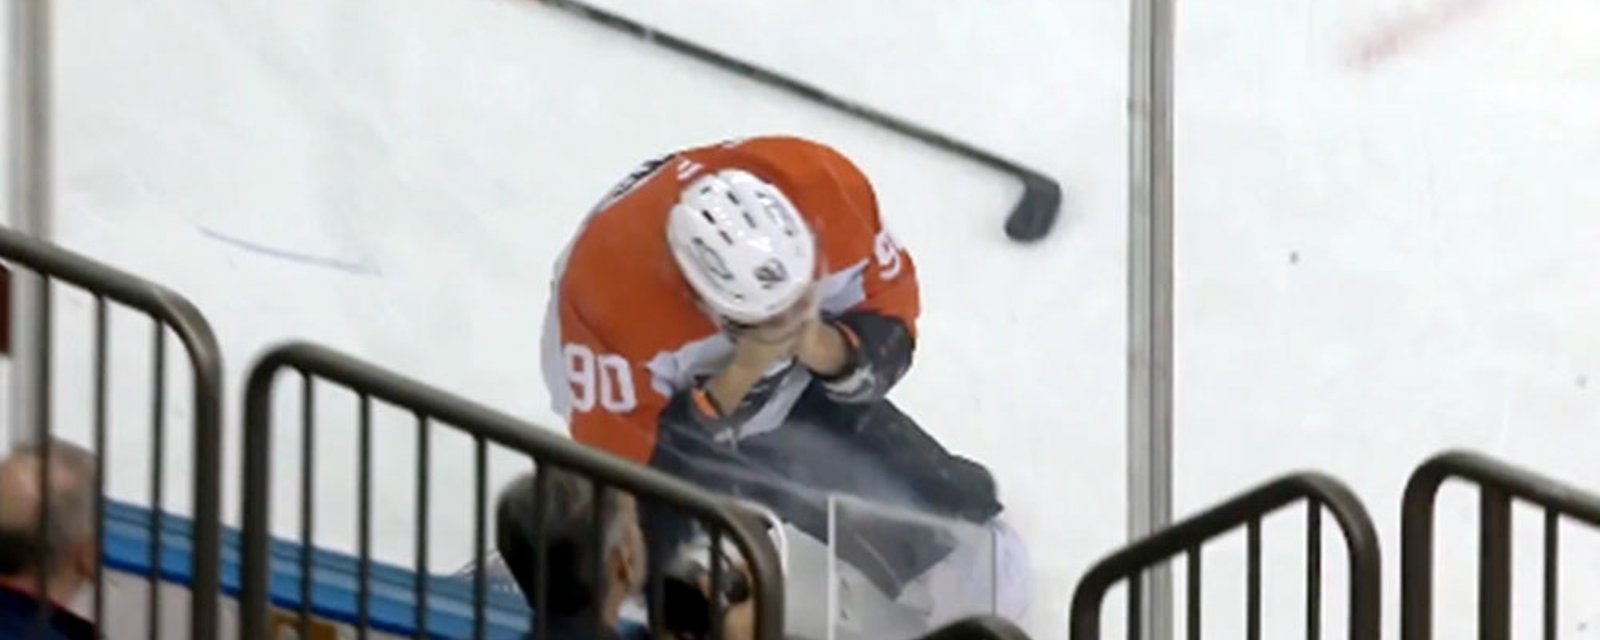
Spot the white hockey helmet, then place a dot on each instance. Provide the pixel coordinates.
(742, 246)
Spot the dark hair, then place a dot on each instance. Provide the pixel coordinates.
(570, 549)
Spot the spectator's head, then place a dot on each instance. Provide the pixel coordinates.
(65, 556)
(570, 546)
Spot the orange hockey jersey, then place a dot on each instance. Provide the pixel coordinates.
(623, 333)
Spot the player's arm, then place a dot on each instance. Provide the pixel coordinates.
(720, 403)
(737, 390)
(695, 429)
(873, 351)
(861, 354)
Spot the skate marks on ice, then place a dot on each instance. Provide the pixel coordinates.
(344, 266)
(1395, 35)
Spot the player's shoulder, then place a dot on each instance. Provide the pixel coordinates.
(634, 301)
(620, 280)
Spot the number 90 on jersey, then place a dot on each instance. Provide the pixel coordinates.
(605, 380)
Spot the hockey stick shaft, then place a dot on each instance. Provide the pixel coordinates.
(1030, 220)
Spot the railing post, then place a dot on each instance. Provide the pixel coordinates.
(1494, 564)
(1416, 555)
(29, 201)
(255, 571)
(1150, 317)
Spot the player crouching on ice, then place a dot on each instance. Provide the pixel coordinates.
(734, 315)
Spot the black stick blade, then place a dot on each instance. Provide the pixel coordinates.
(1035, 214)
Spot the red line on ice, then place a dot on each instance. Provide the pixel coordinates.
(1393, 37)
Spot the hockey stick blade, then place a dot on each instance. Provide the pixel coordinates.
(1036, 212)
(1030, 220)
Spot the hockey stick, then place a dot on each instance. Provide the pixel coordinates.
(1030, 220)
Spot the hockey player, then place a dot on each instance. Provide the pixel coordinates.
(734, 314)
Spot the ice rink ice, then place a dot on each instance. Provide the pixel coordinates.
(1387, 240)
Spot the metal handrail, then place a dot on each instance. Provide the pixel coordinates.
(1499, 483)
(170, 311)
(483, 424)
(1247, 509)
(775, 530)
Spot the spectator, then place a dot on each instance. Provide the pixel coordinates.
(569, 551)
(64, 558)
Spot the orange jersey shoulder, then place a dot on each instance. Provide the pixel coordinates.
(620, 278)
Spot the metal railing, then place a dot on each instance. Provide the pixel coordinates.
(722, 516)
(1248, 510)
(168, 311)
(1498, 483)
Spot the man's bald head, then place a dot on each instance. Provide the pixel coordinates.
(69, 514)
